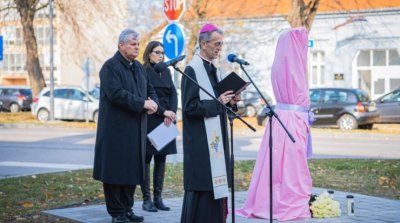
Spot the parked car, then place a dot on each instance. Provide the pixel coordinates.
(251, 102)
(389, 107)
(95, 92)
(69, 104)
(347, 108)
(15, 99)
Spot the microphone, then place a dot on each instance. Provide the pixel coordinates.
(164, 65)
(233, 58)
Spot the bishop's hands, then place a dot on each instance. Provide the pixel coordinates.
(169, 117)
(150, 105)
(236, 99)
(226, 97)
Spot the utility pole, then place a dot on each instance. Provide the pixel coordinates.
(51, 60)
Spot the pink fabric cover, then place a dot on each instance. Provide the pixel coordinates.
(292, 183)
(208, 27)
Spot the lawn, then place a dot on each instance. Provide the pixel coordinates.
(23, 198)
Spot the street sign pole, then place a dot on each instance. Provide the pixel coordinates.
(87, 90)
(51, 61)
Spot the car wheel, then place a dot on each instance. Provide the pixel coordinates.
(250, 111)
(366, 126)
(43, 115)
(96, 116)
(14, 108)
(347, 122)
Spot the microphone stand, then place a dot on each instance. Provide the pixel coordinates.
(231, 116)
(270, 113)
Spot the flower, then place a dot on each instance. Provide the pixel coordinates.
(325, 207)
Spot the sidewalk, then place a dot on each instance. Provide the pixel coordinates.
(367, 210)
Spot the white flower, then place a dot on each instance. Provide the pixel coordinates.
(325, 207)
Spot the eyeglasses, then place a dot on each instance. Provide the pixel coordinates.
(158, 52)
(217, 44)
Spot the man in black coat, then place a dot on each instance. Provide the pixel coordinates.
(200, 203)
(126, 96)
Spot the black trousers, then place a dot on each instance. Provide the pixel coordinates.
(157, 158)
(119, 198)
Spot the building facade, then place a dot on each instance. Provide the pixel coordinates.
(81, 30)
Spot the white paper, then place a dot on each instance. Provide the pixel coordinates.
(162, 135)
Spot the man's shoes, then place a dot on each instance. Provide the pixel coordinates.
(120, 219)
(149, 206)
(134, 218)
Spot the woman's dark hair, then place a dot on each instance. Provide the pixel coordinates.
(148, 50)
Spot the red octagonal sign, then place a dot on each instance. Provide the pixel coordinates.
(173, 9)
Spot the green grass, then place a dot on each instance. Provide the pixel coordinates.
(23, 198)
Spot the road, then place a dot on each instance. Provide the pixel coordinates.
(26, 151)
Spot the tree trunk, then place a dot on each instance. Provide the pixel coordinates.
(301, 14)
(26, 10)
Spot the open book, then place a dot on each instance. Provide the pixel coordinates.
(232, 83)
(162, 135)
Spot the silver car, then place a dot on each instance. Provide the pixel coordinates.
(69, 104)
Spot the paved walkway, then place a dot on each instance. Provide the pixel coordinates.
(367, 210)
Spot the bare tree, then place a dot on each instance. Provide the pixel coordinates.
(302, 14)
(26, 10)
(78, 19)
(195, 16)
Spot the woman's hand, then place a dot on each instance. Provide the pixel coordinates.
(167, 121)
(170, 114)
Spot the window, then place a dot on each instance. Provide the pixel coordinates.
(18, 36)
(14, 63)
(394, 58)
(392, 97)
(363, 58)
(362, 96)
(26, 92)
(76, 95)
(379, 58)
(394, 83)
(379, 86)
(318, 68)
(314, 96)
(60, 93)
(337, 96)
(315, 75)
(11, 92)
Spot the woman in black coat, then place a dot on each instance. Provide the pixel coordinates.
(168, 104)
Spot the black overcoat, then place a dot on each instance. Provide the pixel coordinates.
(196, 157)
(122, 127)
(168, 100)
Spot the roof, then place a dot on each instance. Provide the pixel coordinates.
(233, 9)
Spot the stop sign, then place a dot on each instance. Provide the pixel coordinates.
(173, 9)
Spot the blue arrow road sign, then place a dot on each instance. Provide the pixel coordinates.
(173, 40)
(1, 48)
